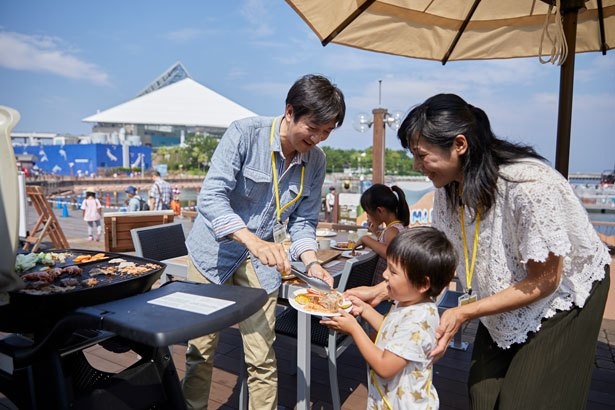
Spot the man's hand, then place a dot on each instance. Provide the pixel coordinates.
(318, 271)
(268, 253)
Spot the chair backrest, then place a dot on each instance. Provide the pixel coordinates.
(159, 242)
(358, 271)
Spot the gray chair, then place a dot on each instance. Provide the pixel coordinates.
(160, 242)
(327, 343)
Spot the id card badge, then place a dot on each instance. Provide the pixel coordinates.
(466, 299)
(279, 232)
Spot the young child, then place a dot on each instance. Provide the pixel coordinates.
(383, 206)
(91, 213)
(421, 263)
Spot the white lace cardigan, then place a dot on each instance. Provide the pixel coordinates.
(530, 218)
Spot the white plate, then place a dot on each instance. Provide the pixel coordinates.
(301, 308)
(340, 248)
(348, 254)
(325, 233)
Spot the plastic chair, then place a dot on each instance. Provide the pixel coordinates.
(160, 242)
(327, 343)
(450, 299)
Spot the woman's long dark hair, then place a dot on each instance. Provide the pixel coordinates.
(381, 195)
(444, 116)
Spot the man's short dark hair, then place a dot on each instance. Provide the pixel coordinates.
(316, 97)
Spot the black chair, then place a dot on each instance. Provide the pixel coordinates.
(160, 242)
(327, 343)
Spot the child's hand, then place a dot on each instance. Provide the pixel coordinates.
(357, 306)
(345, 323)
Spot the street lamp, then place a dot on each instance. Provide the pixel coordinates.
(380, 117)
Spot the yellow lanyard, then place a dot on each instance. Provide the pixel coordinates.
(275, 179)
(469, 269)
(375, 382)
(393, 223)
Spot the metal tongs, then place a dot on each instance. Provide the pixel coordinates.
(298, 268)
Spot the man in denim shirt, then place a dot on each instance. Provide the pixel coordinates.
(265, 172)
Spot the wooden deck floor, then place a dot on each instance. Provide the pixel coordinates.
(450, 372)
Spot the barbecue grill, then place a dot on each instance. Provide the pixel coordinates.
(42, 365)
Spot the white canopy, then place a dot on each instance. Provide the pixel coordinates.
(184, 103)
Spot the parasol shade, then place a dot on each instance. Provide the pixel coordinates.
(445, 30)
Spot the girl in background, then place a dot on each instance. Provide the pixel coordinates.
(383, 206)
(91, 213)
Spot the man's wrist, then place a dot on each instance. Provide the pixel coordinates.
(309, 265)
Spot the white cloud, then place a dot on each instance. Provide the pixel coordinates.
(255, 12)
(46, 54)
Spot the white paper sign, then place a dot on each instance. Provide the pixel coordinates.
(203, 305)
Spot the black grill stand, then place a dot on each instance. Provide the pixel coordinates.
(54, 373)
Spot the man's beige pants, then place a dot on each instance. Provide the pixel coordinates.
(258, 335)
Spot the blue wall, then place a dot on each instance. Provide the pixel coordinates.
(87, 158)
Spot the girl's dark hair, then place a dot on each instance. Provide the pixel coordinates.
(426, 255)
(444, 116)
(315, 96)
(381, 195)
(90, 194)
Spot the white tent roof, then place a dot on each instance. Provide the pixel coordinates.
(185, 102)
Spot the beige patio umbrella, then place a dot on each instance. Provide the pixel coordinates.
(446, 30)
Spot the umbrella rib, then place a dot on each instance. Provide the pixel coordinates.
(460, 32)
(601, 22)
(352, 17)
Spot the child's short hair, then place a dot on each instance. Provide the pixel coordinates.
(424, 253)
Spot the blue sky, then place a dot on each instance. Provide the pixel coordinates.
(61, 61)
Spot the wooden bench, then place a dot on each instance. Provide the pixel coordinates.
(119, 224)
(189, 214)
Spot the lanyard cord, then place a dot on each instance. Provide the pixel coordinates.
(392, 223)
(276, 187)
(373, 375)
(469, 269)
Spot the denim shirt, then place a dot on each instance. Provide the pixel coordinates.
(238, 192)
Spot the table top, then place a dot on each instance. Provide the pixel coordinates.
(176, 312)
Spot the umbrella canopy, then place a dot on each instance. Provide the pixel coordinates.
(444, 30)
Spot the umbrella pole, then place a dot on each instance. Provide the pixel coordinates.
(566, 85)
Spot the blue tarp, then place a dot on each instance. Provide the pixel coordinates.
(85, 159)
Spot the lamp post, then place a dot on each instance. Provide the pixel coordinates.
(380, 117)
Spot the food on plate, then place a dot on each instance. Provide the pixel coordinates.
(345, 304)
(317, 301)
(287, 275)
(302, 299)
(345, 245)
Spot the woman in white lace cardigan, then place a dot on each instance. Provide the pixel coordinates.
(527, 252)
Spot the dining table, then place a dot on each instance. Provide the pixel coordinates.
(333, 260)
